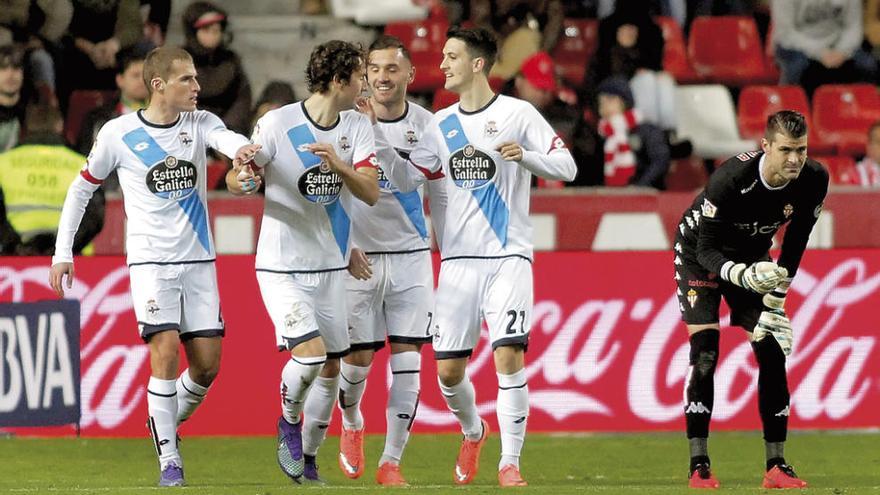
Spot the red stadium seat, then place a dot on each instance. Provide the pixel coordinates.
(727, 50)
(756, 103)
(574, 49)
(443, 98)
(425, 40)
(675, 60)
(842, 114)
(81, 103)
(841, 168)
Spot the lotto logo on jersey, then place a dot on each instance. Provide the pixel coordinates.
(320, 186)
(471, 168)
(172, 178)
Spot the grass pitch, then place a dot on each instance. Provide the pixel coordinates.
(838, 463)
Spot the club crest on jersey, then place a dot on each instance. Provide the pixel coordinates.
(172, 178)
(491, 129)
(692, 297)
(343, 143)
(709, 210)
(410, 137)
(787, 210)
(319, 185)
(471, 168)
(184, 138)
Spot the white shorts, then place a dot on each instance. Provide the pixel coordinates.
(303, 306)
(398, 300)
(497, 291)
(182, 297)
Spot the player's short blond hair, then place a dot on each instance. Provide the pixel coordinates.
(159, 61)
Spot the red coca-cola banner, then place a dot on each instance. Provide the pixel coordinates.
(607, 352)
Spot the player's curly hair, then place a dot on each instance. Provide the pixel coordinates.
(480, 42)
(333, 60)
(786, 122)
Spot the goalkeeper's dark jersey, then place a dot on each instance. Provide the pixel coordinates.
(737, 214)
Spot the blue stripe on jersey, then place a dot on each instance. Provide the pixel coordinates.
(412, 205)
(340, 224)
(491, 203)
(149, 152)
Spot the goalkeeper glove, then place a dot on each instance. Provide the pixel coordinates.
(761, 277)
(775, 322)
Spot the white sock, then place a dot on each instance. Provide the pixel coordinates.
(462, 401)
(189, 395)
(296, 378)
(513, 411)
(403, 402)
(319, 410)
(352, 382)
(162, 406)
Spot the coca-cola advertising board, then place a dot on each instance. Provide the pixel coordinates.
(607, 352)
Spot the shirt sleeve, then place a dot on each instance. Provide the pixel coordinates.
(712, 223)
(219, 137)
(544, 152)
(407, 174)
(264, 136)
(364, 146)
(102, 159)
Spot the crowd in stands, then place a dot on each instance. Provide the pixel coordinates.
(609, 75)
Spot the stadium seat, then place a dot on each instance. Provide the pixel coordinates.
(443, 98)
(574, 49)
(842, 114)
(80, 104)
(675, 60)
(727, 50)
(756, 103)
(425, 40)
(841, 168)
(706, 116)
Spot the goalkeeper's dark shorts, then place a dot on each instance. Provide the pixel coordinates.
(699, 296)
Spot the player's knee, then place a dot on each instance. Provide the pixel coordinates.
(205, 376)
(362, 357)
(509, 359)
(704, 351)
(449, 374)
(771, 365)
(330, 368)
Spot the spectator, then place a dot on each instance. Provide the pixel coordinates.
(819, 42)
(34, 177)
(12, 101)
(9, 238)
(523, 27)
(156, 14)
(276, 94)
(132, 96)
(867, 171)
(636, 152)
(630, 45)
(226, 91)
(99, 31)
(677, 9)
(536, 83)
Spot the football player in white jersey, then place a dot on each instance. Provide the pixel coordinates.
(316, 154)
(159, 154)
(391, 287)
(487, 147)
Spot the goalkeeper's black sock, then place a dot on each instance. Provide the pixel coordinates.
(701, 385)
(773, 396)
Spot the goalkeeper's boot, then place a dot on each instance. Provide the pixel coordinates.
(310, 474)
(389, 475)
(782, 476)
(509, 476)
(290, 450)
(469, 457)
(702, 477)
(351, 452)
(172, 475)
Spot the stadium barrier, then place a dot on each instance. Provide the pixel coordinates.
(607, 350)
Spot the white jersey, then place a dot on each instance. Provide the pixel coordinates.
(487, 208)
(161, 171)
(396, 223)
(307, 217)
